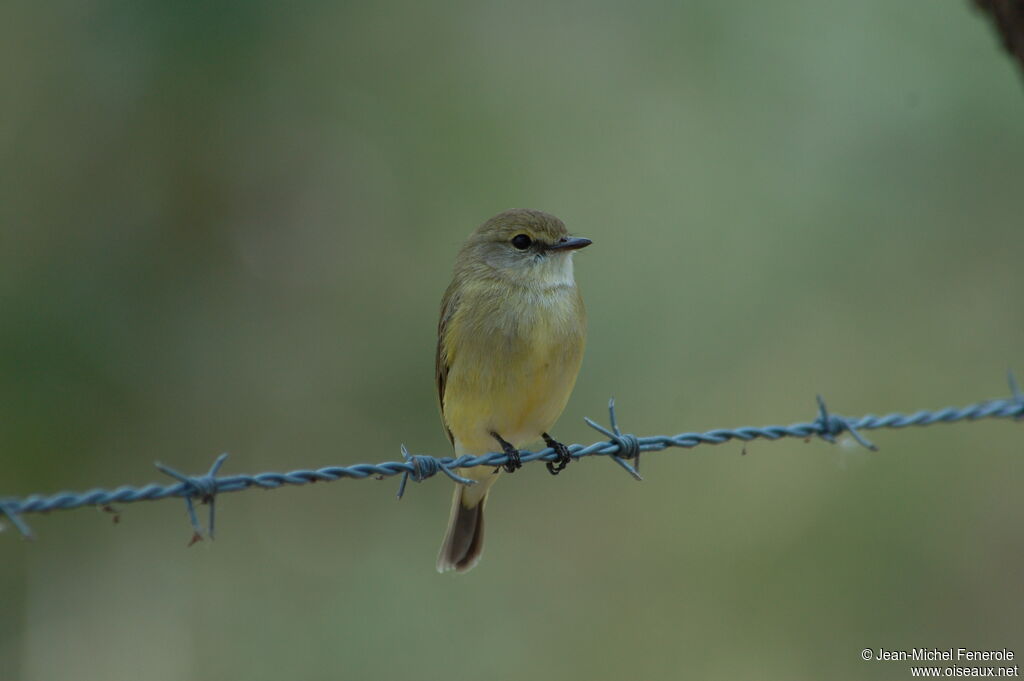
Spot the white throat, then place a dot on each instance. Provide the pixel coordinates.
(556, 271)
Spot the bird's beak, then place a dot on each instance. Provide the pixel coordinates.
(569, 243)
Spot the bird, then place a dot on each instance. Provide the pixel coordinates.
(510, 342)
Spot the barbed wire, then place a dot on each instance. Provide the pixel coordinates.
(623, 448)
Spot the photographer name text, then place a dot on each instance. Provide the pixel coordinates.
(933, 654)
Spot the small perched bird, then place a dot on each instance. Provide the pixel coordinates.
(509, 345)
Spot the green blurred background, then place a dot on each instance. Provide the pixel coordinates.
(227, 227)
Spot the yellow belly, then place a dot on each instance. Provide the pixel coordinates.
(513, 379)
(519, 402)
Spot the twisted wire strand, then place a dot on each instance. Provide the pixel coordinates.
(624, 449)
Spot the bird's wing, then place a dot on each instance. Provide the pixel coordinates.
(442, 361)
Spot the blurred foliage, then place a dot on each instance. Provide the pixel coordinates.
(227, 226)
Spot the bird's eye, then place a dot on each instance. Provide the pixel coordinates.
(521, 241)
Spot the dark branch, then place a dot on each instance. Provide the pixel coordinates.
(1008, 17)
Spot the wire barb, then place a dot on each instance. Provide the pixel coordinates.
(830, 426)
(628, 445)
(1018, 396)
(10, 512)
(423, 467)
(204, 488)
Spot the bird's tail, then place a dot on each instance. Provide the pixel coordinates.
(464, 541)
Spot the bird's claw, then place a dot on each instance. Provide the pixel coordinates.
(564, 457)
(514, 463)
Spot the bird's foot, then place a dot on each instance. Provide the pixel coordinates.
(564, 457)
(514, 463)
